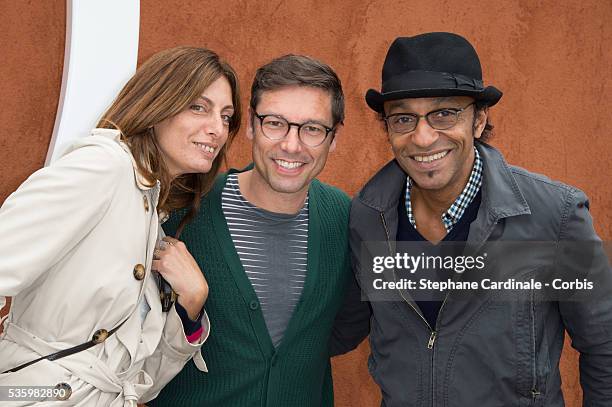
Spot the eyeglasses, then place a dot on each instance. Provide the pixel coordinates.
(276, 127)
(441, 119)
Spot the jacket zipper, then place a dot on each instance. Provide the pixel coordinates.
(434, 333)
(534, 383)
(432, 339)
(382, 217)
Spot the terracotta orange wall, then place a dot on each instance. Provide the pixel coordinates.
(32, 52)
(550, 58)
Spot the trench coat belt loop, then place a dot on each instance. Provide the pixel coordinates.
(130, 396)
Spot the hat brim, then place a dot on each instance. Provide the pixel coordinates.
(490, 95)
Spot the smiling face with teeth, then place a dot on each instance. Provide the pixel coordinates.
(438, 161)
(190, 140)
(287, 166)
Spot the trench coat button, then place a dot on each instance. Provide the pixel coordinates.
(139, 272)
(99, 336)
(63, 391)
(253, 305)
(146, 203)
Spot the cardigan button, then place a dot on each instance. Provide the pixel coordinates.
(254, 305)
(146, 203)
(139, 272)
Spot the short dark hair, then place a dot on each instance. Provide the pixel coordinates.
(299, 70)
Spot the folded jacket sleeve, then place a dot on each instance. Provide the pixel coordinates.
(173, 352)
(53, 210)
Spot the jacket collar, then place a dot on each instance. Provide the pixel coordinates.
(382, 192)
(501, 195)
(115, 135)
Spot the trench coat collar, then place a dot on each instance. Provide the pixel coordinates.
(501, 195)
(141, 181)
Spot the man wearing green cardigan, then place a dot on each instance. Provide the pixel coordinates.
(272, 243)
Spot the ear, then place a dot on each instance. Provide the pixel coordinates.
(480, 122)
(250, 130)
(337, 131)
(383, 125)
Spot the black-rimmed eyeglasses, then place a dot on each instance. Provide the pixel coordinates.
(441, 119)
(275, 127)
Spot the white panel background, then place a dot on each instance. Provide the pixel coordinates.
(100, 56)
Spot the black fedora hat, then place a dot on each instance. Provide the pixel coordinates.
(431, 65)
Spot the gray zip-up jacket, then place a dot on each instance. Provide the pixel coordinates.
(487, 352)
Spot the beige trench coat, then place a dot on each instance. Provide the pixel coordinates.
(72, 237)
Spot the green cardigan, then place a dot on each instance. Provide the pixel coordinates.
(244, 367)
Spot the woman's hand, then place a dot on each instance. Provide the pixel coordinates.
(176, 265)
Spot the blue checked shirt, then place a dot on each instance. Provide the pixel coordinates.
(456, 210)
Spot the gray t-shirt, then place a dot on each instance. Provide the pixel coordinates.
(273, 250)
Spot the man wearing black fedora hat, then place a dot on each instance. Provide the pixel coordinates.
(446, 184)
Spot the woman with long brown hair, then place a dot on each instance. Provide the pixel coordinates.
(82, 253)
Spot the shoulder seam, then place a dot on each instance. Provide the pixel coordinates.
(542, 178)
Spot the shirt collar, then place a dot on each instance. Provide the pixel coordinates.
(456, 210)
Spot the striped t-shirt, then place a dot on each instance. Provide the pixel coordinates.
(273, 250)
